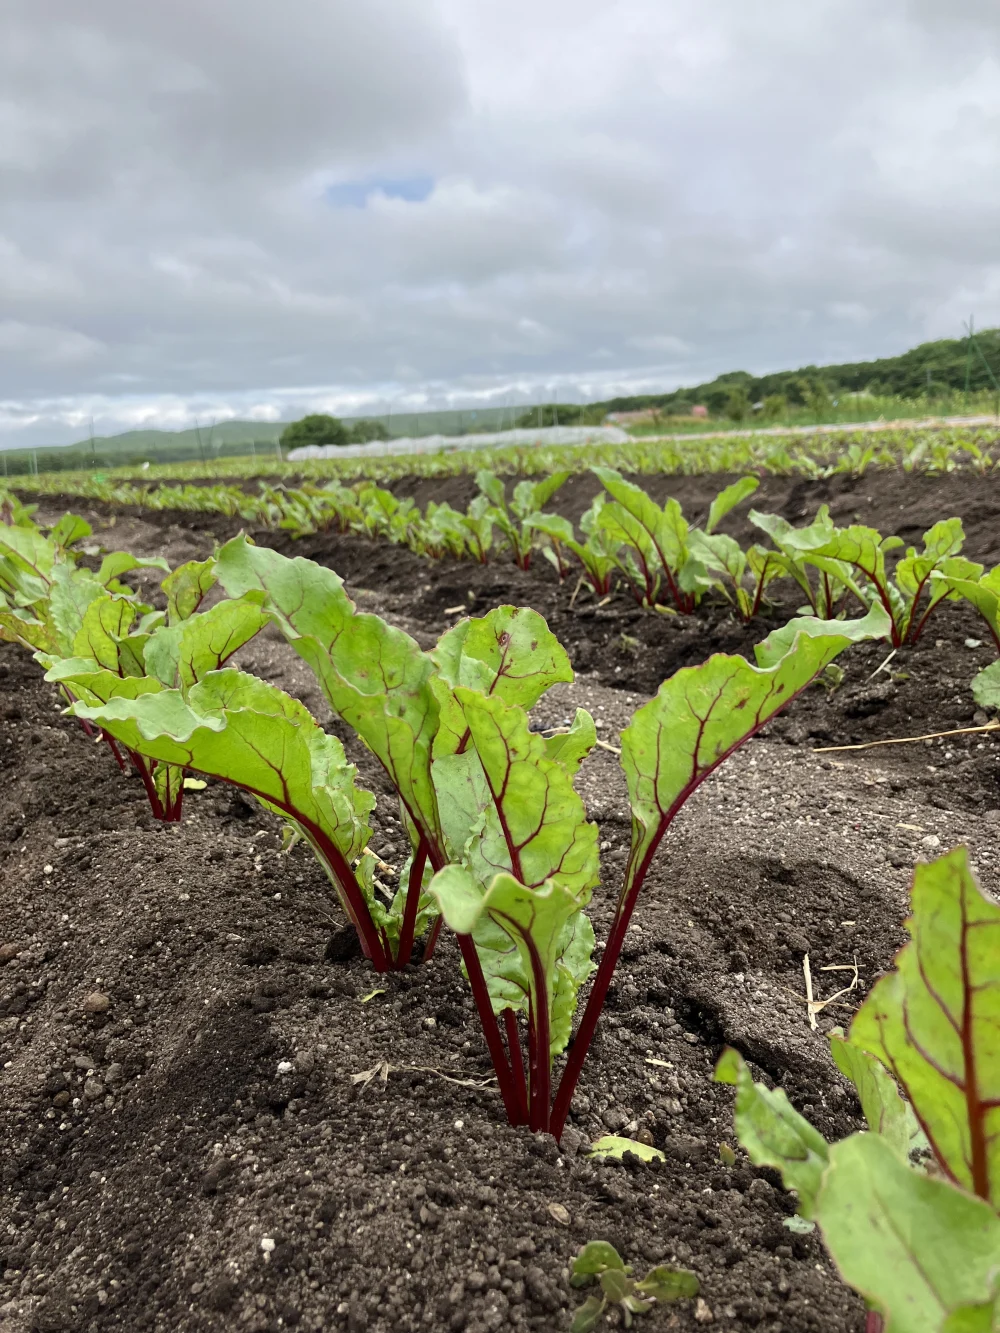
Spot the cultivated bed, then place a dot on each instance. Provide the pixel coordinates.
(184, 1027)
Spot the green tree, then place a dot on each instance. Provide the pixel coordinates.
(819, 401)
(775, 407)
(317, 429)
(738, 403)
(368, 429)
(797, 390)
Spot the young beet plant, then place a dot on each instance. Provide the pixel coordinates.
(516, 520)
(659, 553)
(399, 701)
(118, 654)
(521, 883)
(909, 1211)
(850, 562)
(600, 1264)
(500, 841)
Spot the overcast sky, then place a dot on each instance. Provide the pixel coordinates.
(216, 208)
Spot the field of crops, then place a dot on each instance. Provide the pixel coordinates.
(808, 454)
(383, 891)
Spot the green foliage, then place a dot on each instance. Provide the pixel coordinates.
(613, 1145)
(656, 549)
(534, 945)
(499, 837)
(774, 1134)
(187, 587)
(601, 1263)
(374, 676)
(947, 361)
(830, 563)
(117, 655)
(702, 714)
(317, 429)
(737, 403)
(983, 592)
(886, 1112)
(775, 407)
(933, 1022)
(920, 1245)
(517, 519)
(366, 430)
(914, 1246)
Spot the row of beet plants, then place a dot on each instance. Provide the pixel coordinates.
(667, 563)
(503, 854)
(501, 847)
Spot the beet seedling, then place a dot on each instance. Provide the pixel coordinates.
(119, 654)
(656, 547)
(516, 519)
(851, 562)
(922, 1245)
(528, 870)
(602, 1263)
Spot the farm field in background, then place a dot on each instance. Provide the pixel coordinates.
(808, 454)
(201, 974)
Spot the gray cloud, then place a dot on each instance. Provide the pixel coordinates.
(628, 195)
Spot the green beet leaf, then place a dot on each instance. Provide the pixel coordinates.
(94, 684)
(983, 1318)
(726, 501)
(589, 1315)
(613, 1145)
(117, 563)
(239, 729)
(510, 653)
(935, 1021)
(533, 943)
(533, 821)
(774, 1134)
(701, 714)
(70, 596)
(986, 686)
(569, 748)
(885, 1110)
(106, 622)
(20, 626)
(376, 677)
(983, 593)
(916, 1247)
(26, 551)
(69, 529)
(664, 1284)
(181, 654)
(665, 528)
(601, 1261)
(596, 1257)
(187, 587)
(632, 550)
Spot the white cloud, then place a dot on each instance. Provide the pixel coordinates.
(659, 190)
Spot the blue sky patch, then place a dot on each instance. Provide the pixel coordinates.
(355, 194)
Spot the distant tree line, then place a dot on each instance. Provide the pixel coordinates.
(321, 429)
(931, 370)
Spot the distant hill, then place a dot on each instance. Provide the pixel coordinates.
(930, 370)
(232, 438)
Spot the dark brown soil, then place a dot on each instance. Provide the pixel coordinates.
(149, 1150)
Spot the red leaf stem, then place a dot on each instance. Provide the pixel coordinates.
(413, 889)
(491, 1030)
(516, 1063)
